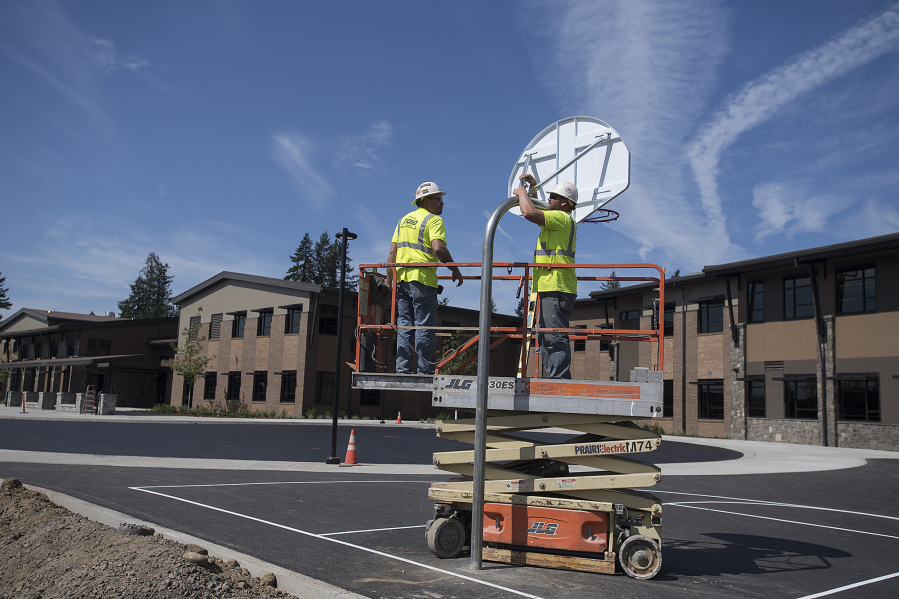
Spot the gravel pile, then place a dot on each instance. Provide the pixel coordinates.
(46, 551)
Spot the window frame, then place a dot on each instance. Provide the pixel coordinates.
(288, 394)
(668, 398)
(294, 318)
(579, 345)
(869, 381)
(755, 313)
(232, 393)
(704, 322)
(365, 397)
(327, 319)
(865, 298)
(791, 398)
(668, 318)
(239, 325)
(703, 396)
(264, 323)
(209, 384)
(260, 385)
(791, 291)
(320, 385)
(752, 400)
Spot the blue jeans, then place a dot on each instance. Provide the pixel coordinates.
(416, 305)
(555, 350)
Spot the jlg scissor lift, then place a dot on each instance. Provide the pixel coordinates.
(563, 505)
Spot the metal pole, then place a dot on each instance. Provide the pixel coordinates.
(343, 236)
(480, 432)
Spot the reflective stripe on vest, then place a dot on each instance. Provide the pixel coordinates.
(569, 253)
(420, 246)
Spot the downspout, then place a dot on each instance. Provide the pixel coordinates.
(730, 308)
(819, 331)
(683, 360)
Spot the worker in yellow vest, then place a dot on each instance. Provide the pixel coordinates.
(419, 237)
(556, 287)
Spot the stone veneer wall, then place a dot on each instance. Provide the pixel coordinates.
(868, 435)
(801, 432)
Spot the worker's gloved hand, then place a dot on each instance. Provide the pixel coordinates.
(383, 289)
(439, 289)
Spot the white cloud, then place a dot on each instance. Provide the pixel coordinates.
(874, 217)
(647, 68)
(787, 208)
(362, 151)
(293, 153)
(103, 54)
(761, 99)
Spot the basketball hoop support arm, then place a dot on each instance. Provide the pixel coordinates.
(480, 435)
(602, 141)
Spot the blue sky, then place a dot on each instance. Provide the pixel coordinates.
(217, 133)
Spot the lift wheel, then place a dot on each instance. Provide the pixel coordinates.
(640, 557)
(446, 536)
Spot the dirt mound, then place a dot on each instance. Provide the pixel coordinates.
(47, 551)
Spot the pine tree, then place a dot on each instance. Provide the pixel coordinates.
(302, 262)
(321, 271)
(151, 292)
(5, 304)
(611, 284)
(351, 278)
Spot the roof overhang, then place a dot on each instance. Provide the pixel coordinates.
(95, 361)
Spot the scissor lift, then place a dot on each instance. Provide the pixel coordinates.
(568, 504)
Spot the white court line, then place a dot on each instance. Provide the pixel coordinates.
(352, 532)
(850, 586)
(777, 503)
(339, 542)
(285, 482)
(708, 509)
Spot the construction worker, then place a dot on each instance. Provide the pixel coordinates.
(555, 287)
(419, 237)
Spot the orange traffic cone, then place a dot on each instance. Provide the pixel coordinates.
(399, 418)
(351, 450)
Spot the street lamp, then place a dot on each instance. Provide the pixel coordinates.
(343, 236)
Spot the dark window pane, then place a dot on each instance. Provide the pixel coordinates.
(711, 400)
(288, 386)
(856, 290)
(801, 399)
(370, 397)
(711, 316)
(755, 312)
(237, 327)
(327, 320)
(324, 387)
(580, 344)
(292, 322)
(668, 398)
(860, 400)
(233, 386)
(260, 383)
(756, 392)
(669, 319)
(264, 324)
(209, 386)
(798, 298)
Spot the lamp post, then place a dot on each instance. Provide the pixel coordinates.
(343, 236)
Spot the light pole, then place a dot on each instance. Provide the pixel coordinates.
(343, 236)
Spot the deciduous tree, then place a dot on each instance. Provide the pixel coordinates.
(189, 361)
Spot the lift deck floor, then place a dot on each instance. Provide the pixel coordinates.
(641, 397)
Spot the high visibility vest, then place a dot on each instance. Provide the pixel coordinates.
(413, 236)
(556, 245)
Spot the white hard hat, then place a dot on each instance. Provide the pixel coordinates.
(567, 190)
(428, 189)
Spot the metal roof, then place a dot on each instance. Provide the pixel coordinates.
(78, 361)
(236, 276)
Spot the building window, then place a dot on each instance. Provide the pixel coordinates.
(669, 319)
(626, 315)
(72, 347)
(209, 385)
(668, 398)
(370, 397)
(99, 347)
(711, 316)
(233, 386)
(798, 301)
(238, 325)
(194, 329)
(580, 344)
(755, 294)
(755, 391)
(39, 350)
(860, 399)
(855, 290)
(54, 349)
(327, 320)
(711, 399)
(292, 322)
(260, 382)
(264, 324)
(215, 327)
(801, 398)
(324, 387)
(604, 345)
(289, 386)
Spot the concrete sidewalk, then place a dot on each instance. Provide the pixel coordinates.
(141, 415)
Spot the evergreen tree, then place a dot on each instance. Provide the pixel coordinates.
(5, 304)
(351, 278)
(322, 273)
(151, 292)
(302, 262)
(611, 284)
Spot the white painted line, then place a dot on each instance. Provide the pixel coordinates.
(776, 503)
(352, 532)
(339, 542)
(851, 586)
(707, 509)
(287, 482)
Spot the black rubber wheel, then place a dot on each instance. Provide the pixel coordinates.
(446, 536)
(640, 557)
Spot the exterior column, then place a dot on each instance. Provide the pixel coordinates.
(614, 350)
(831, 405)
(739, 405)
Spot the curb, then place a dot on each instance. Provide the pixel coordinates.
(297, 584)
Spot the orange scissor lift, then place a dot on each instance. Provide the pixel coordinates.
(563, 505)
